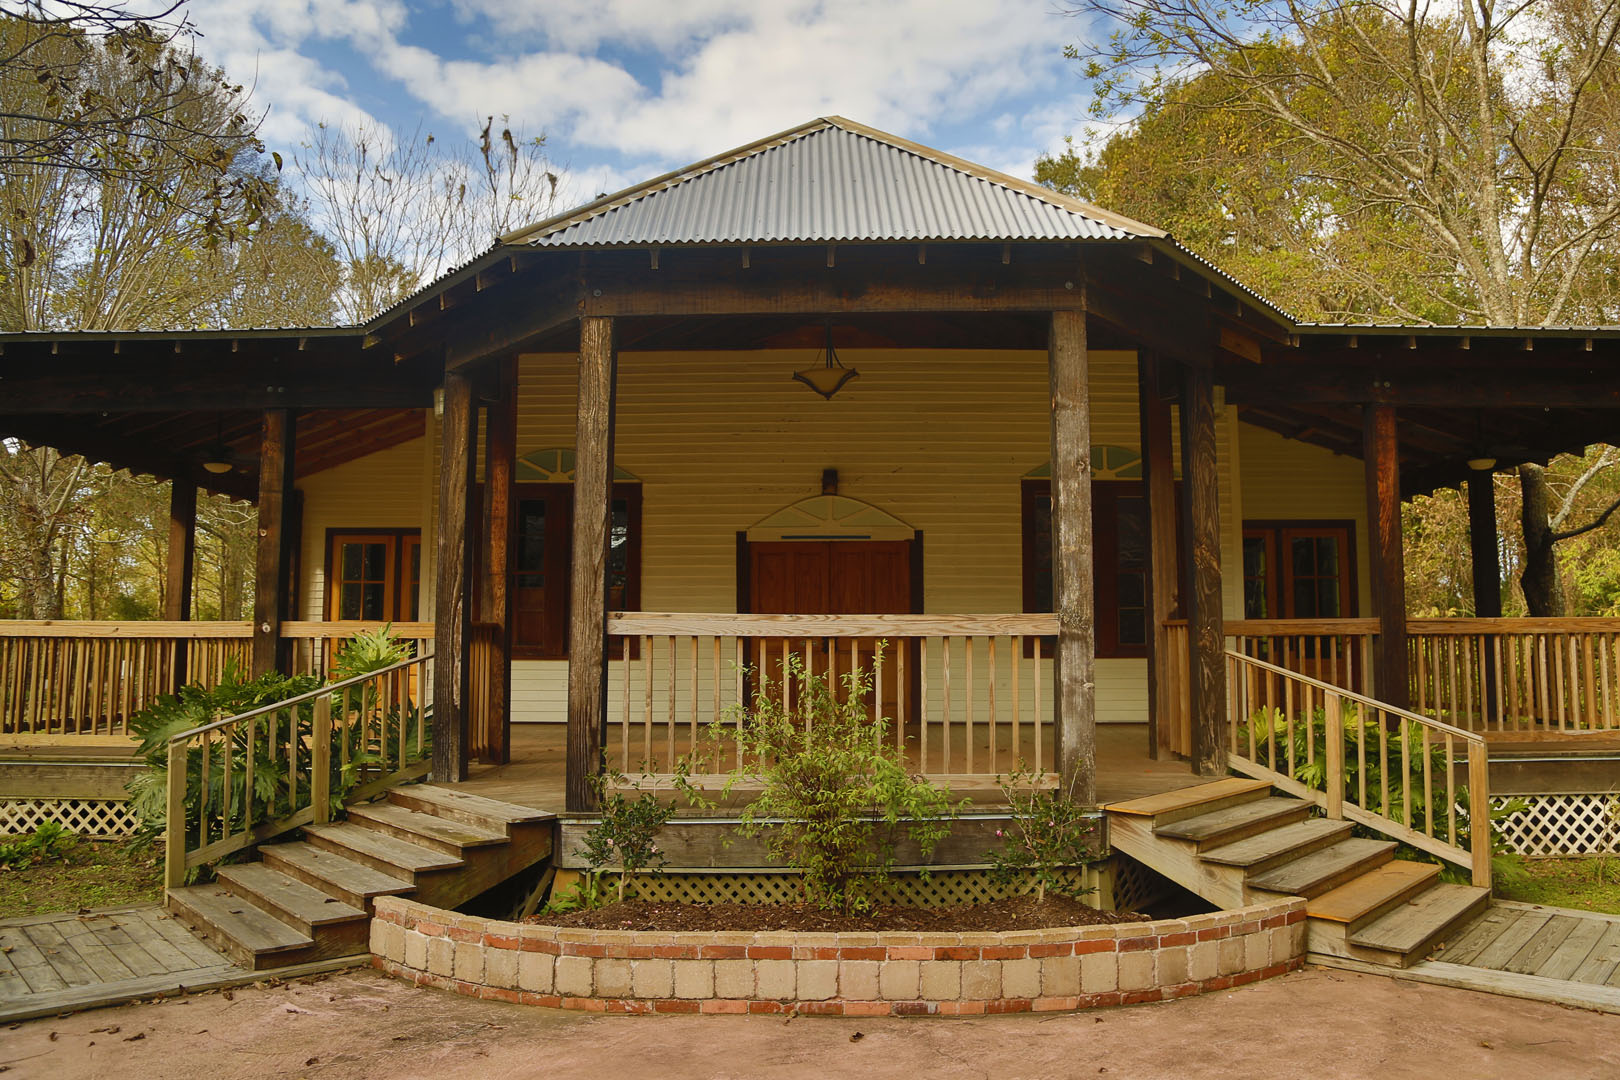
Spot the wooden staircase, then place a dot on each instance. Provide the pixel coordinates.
(1234, 843)
(310, 899)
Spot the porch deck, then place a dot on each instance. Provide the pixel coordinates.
(535, 776)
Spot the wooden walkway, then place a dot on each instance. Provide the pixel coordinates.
(1551, 943)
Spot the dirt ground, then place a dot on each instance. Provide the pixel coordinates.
(1316, 1023)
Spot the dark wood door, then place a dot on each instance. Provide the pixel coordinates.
(831, 577)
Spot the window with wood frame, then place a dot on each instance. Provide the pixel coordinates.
(1119, 522)
(373, 575)
(1299, 570)
(542, 564)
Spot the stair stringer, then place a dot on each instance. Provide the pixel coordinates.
(1178, 860)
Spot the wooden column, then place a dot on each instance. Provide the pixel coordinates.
(1201, 541)
(1486, 552)
(495, 593)
(277, 451)
(1163, 576)
(593, 512)
(181, 560)
(1075, 691)
(452, 619)
(1381, 452)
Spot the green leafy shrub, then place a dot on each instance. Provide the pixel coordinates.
(356, 749)
(1048, 839)
(836, 794)
(52, 840)
(625, 838)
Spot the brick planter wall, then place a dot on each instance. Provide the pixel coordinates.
(836, 974)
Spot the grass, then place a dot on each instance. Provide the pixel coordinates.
(1587, 884)
(93, 874)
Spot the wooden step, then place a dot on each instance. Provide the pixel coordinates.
(251, 937)
(1411, 930)
(302, 907)
(413, 826)
(1172, 806)
(465, 808)
(380, 851)
(1362, 900)
(1234, 823)
(1268, 850)
(1316, 873)
(355, 883)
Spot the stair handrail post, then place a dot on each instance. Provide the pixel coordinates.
(320, 764)
(1479, 813)
(1333, 711)
(174, 821)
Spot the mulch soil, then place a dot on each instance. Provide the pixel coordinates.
(1013, 913)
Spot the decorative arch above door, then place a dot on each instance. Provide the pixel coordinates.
(555, 465)
(1107, 463)
(830, 517)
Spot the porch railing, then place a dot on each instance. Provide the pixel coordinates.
(315, 645)
(1517, 674)
(1360, 759)
(247, 778)
(968, 695)
(83, 680)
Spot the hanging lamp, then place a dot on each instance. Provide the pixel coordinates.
(830, 375)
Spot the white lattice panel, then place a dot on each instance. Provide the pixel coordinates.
(945, 888)
(1563, 825)
(94, 819)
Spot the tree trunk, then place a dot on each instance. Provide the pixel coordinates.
(1543, 593)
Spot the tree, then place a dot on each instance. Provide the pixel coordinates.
(1363, 160)
(402, 213)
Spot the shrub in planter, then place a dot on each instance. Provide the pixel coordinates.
(1048, 838)
(624, 840)
(836, 794)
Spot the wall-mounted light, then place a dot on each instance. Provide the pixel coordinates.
(830, 377)
(1482, 464)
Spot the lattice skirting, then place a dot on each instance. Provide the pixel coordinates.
(943, 888)
(94, 819)
(1563, 824)
(1136, 886)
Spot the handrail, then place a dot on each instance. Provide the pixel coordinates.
(311, 695)
(123, 628)
(1361, 699)
(749, 624)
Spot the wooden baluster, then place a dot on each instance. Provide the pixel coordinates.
(626, 667)
(1015, 655)
(1479, 814)
(1291, 708)
(742, 704)
(1428, 783)
(1406, 772)
(320, 759)
(1451, 790)
(1361, 758)
(990, 674)
(714, 657)
(646, 717)
(923, 645)
(674, 691)
(968, 643)
(1424, 647)
(1588, 713)
(207, 740)
(174, 839)
(1040, 713)
(1333, 735)
(900, 691)
(346, 726)
(692, 723)
(945, 720)
(1605, 654)
(1382, 728)
(1501, 677)
(877, 687)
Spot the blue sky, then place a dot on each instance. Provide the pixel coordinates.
(626, 89)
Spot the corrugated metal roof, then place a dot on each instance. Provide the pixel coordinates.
(831, 181)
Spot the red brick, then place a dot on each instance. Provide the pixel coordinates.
(1138, 944)
(1251, 927)
(1037, 952)
(624, 951)
(822, 1008)
(581, 948)
(723, 1005)
(674, 1006)
(863, 952)
(1055, 1004)
(1138, 997)
(1008, 1005)
(1296, 916)
(910, 952)
(961, 1008)
(1004, 952)
(578, 1004)
(544, 1001)
(1214, 933)
(767, 1007)
(815, 952)
(431, 929)
(1181, 991)
(956, 952)
(1274, 921)
(1096, 1001)
(1171, 940)
(459, 933)
(539, 945)
(1245, 978)
(914, 1008)
(503, 941)
(866, 1008)
(1081, 948)
(723, 952)
(675, 952)
(770, 952)
(1274, 970)
(496, 993)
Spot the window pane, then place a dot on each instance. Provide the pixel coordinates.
(349, 601)
(1327, 591)
(375, 565)
(619, 550)
(1133, 627)
(1132, 533)
(372, 600)
(1042, 540)
(1327, 555)
(350, 563)
(531, 545)
(1304, 555)
(1132, 590)
(1254, 578)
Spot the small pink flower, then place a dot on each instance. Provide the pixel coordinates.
(998, 833)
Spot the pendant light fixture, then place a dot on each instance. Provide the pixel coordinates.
(216, 457)
(830, 375)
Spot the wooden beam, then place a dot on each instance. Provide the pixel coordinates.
(1163, 577)
(1072, 587)
(495, 594)
(1381, 453)
(1201, 545)
(453, 585)
(75, 436)
(513, 324)
(277, 453)
(341, 379)
(593, 518)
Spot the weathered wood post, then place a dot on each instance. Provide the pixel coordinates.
(593, 518)
(1072, 588)
(1163, 576)
(495, 604)
(1381, 453)
(277, 451)
(1201, 543)
(452, 618)
(181, 561)
(1485, 551)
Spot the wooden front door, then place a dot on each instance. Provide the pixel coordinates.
(831, 577)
